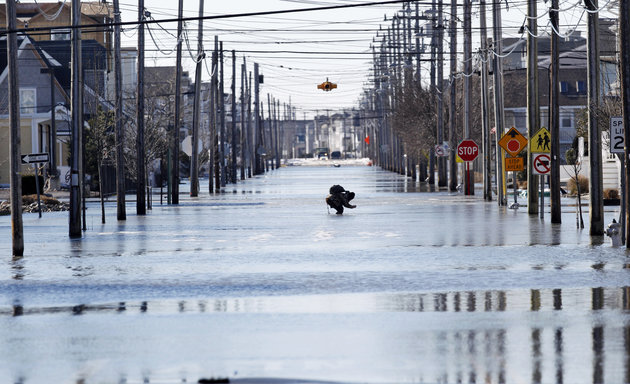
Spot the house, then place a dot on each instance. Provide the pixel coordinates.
(44, 76)
(57, 15)
(573, 86)
(45, 65)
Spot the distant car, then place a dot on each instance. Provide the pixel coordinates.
(323, 156)
(335, 155)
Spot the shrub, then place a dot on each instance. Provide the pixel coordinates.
(583, 180)
(611, 193)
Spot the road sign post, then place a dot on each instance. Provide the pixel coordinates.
(36, 158)
(468, 151)
(617, 145)
(617, 136)
(541, 166)
(513, 143)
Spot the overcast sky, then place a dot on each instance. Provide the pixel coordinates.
(297, 51)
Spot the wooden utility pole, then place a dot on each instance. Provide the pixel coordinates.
(256, 141)
(250, 140)
(596, 203)
(497, 76)
(452, 185)
(77, 123)
(277, 143)
(221, 100)
(17, 230)
(469, 188)
(234, 114)
(533, 108)
(141, 206)
(194, 155)
(485, 120)
(441, 161)
(554, 126)
(434, 93)
(243, 138)
(120, 137)
(52, 163)
(215, 117)
(624, 49)
(178, 101)
(271, 117)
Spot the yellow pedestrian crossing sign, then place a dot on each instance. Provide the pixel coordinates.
(541, 141)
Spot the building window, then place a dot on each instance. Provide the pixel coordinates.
(27, 101)
(567, 122)
(60, 34)
(581, 86)
(564, 87)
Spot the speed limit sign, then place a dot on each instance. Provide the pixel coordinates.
(617, 136)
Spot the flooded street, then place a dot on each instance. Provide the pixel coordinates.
(262, 282)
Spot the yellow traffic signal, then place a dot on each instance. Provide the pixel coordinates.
(327, 86)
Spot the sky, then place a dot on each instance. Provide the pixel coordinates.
(298, 51)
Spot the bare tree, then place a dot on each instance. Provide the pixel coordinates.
(414, 120)
(100, 146)
(576, 166)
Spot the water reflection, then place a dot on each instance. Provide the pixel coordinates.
(473, 352)
(492, 301)
(17, 266)
(558, 349)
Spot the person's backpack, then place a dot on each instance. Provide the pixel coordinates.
(336, 189)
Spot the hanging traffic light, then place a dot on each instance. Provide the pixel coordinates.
(327, 86)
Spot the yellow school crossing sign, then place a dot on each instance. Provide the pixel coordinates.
(541, 141)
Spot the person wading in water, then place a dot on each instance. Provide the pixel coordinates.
(338, 198)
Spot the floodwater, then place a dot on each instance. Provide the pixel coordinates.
(262, 284)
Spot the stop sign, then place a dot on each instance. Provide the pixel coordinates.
(468, 150)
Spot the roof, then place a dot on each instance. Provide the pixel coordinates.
(575, 58)
(57, 55)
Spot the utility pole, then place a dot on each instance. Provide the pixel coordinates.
(77, 124)
(441, 161)
(624, 49)
(418, 56)
(269, 120)
(141, 208)
(256, 142)
(497, 74)
(278, 137)
(433, 91)
(554, 181)
(469, 188)
(485, 123)
(120, 138)
(222, 139)
(234, 136)
(452, 115)
(533, 110)
(52, 163)
(17, 227)
(596, 204)
(243, 114)
(263, 166)
(194, 156)
(215, 116)
(250, 141)
(178, 101)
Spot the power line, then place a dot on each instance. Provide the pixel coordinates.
(213, 17)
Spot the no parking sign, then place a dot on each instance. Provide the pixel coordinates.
(541, 163)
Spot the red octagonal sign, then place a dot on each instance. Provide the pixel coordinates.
(468, 150)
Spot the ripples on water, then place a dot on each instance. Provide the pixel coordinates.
(411, 286)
